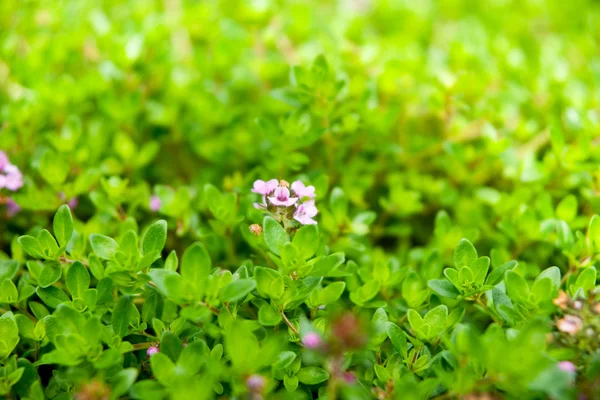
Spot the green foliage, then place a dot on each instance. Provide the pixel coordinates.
(452, 147)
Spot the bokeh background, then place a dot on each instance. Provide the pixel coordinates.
(437, 120)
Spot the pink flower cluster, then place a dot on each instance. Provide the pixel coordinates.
(277, 197)
(10, 176)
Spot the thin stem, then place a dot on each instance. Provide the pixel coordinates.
(289, 324)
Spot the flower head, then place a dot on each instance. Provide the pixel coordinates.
(303, 191)
(255, 383)
(152, 350)
(567, 366)
(10, 176)
(281, 197)
(305, 213)
(12, 208)
(569, 324)
(312, 340)
(562, 300)
(155, 203)
(263, 187)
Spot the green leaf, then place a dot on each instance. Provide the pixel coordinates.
(120, 316)
(443, 288)
(306, 241)
(516, 287)
(77, 280)
(464, 254)
(8, 269)
(196, 265)
(274, 234)
(586, 279)
(480, 269)
(498, 273)
(52, 296)
(172, 262)
(193, 357)
(312, 375)
(567, 208)
(50, 273)
(338, 204)
(8, 291)
(398, 338)
(155, 237)
(268, 316)
(31, 246)
(63, 225)
(326, 265)
(9, 334)
(237, 290)
(104, 246)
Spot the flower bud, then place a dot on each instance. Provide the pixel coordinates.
(152, 350)
(567, 366)
(256, 229)
(312, 340)
(255, 383)
(569, 324)
(284, 183)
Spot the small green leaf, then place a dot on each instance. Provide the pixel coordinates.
(464, 254)
(52, 296)
(63, 225)
(155, 237)
(274, 234)
(237, 290)
(77, 280)
(443, 288)
(312, 375)
(120, 316)
(196, 265)
(104, 246)
(50, 273)
(306, 241)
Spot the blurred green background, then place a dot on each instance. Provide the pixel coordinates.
(485, 109)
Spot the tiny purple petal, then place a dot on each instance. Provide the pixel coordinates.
(13, 177)
(255, 383)
(305, 212)
(73, 203)
(303, 191)
(281, 197)
(263, 187)
(152, 350)
(312, 340)
(12, 208)
(567, 366)
(349, 378)
(155, 203)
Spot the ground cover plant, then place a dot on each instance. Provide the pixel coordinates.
(273, 199)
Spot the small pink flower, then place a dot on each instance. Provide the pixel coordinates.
(569, 324)
(349, 378)
(303, 191)
(255, 383)
(281, 197)
(12, 208)
(12, 177)
(263, 187)
(312, 340)
(155, 203)
(73, 203)
(305, 212)
(567, 366)
(152, 350)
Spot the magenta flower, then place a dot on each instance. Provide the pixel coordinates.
(152, 350)
(567, 366)
(305, 212)
(155, 203)
(12, 208)
(255, 383)
(312, 340)
(281, 197)
(263, 187)
(349, 378)
(10, 176)
(303, 191)
(73, 203)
